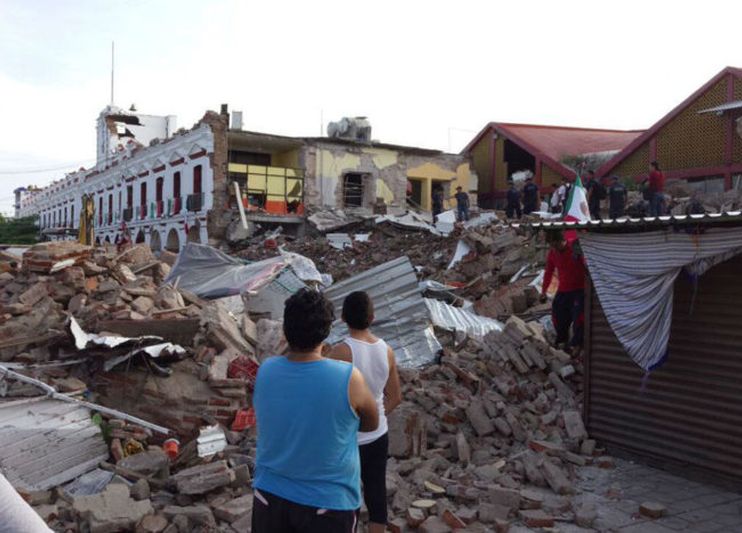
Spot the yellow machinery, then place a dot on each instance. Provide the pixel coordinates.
(87, 217)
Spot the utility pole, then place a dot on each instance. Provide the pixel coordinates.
(112, 65)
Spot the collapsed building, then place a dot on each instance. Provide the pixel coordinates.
(166, 187)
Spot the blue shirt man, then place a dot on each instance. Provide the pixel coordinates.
(308, 411)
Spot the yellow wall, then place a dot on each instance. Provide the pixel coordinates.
(482, 162)
(333, 166)
(431, 172)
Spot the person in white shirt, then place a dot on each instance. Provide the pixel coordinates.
(376, 361)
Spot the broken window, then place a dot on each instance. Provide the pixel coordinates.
(353, 189)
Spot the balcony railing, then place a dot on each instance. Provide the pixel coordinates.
(174, 205)
(195, 202)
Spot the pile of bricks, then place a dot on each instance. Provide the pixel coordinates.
(491, 436)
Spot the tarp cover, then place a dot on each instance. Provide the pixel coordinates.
(209, 273)
(634, 273)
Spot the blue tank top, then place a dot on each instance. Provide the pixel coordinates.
(307, 433)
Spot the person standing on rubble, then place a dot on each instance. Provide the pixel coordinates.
(567, 309)
(308, 409)
(530, 196)
(618, 197)
(437, 202)
(376, 361)
(656, 190)
(513, 198)
(462, 205)
(595, 193)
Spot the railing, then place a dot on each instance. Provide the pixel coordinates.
(174, 205)
(195, 202)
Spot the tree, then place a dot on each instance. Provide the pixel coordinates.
(19, 230)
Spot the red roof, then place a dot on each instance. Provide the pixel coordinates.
(648, 134)
(552, 143)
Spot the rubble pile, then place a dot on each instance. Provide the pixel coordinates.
(490, 436)
(89, 320)
(384, 243)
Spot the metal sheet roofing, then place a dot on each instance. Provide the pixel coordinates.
(44, 443)
(402, 318)
(729, 106)
(457, 319)
(636, 223)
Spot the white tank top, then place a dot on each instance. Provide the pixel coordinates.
(372, 360)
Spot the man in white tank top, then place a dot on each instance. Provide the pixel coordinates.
(376, 361)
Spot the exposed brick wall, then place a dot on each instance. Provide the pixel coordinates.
(181, 402)
(220, 215)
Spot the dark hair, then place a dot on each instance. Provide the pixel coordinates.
(358, 310)
(655, 165)
(591, 172)
(554, 237)
(307, 318)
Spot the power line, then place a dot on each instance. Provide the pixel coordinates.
(50, 169)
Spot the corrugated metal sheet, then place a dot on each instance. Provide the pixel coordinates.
(457, 319)
(402, 318)
(689, 411)
(729, 106)
(44, 443)
(649, 222)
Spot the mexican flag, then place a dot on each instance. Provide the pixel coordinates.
(577, 209)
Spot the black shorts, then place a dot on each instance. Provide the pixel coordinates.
(273, 514)
(373, 476)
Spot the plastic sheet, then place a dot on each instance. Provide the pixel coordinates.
(211, 274)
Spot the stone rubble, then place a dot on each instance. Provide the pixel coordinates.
(487, 437)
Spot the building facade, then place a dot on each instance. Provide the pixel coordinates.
(180, 187)
(546, 152)
(160, 194)
(699, 143)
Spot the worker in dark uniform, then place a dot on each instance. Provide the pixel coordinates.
(618, 197)
(530, 196)
(513, 198)
(437, 202)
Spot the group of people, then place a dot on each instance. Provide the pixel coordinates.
(321, 421)
(596, 191)
(462, 203)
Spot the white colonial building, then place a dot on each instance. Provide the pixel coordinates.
(159, 193)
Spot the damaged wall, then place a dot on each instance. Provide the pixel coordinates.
(385, 173)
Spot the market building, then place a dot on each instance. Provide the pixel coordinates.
(698, 143)
(547, 152)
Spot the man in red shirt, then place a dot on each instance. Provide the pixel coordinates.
(656, 190)
(568, 306)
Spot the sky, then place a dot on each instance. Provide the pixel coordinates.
(427, 73)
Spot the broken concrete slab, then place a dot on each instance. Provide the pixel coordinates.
(111, 510)
(201, 479)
